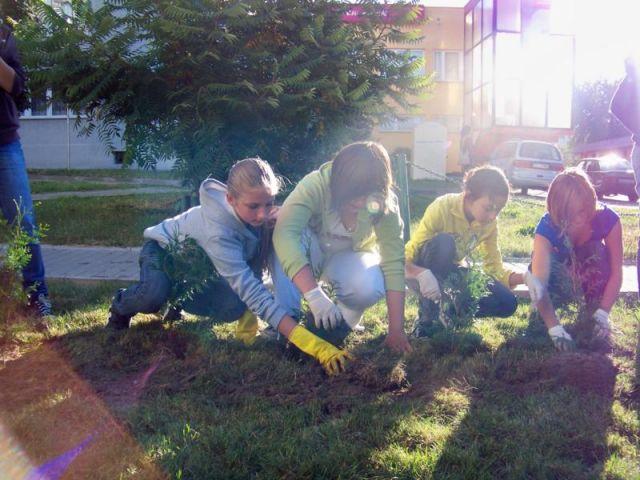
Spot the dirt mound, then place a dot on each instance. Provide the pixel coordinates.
(586, 372)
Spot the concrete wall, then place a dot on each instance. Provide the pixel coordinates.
(55, 143)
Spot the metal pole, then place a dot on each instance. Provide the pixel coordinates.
(399, 166)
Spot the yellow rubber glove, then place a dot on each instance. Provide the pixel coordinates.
(333, 359)
(247, 328)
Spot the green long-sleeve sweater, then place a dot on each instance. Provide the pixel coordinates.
(309, 205)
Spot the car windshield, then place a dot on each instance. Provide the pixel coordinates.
(541, 151)
(614, 163)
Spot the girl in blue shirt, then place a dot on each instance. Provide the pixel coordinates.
(577, 243)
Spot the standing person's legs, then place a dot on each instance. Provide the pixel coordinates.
(146, 296)
(14, 189)
(635, 162)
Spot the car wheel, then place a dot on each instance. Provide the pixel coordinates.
(633, 197)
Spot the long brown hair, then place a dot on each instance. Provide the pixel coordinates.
(359, 169)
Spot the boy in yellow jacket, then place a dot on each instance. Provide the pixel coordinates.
(453, 227)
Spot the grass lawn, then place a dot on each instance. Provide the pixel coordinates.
(187, 401)
(50, 186)
(109, 221)
(118, 173)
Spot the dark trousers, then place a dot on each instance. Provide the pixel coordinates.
(583, 276)
(15, 193)
(216, 300)
(439, 256)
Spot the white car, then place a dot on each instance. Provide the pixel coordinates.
(528, 163)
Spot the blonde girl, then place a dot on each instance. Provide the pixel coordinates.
(577, 242)
(229, 225)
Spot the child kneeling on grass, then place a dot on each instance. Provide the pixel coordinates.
(341, 224)
(577, 252)
(229, 225)
(452, 228)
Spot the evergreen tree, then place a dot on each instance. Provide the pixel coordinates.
(206, 82)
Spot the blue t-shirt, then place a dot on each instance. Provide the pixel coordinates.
(601, 224)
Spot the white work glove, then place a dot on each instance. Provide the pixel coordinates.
(561, 339)
(535, 286)
(351, 317)
(602, 327)
(325, 313)
(429, 287)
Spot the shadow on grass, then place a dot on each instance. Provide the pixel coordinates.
(533, 413)
(185, 401)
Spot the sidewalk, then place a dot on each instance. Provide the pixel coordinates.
(113, 263)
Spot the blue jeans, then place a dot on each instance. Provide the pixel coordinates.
(14, 188)
(217, 300)
(635, 163)
(439, 256)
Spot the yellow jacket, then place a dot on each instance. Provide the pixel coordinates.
(446, 215)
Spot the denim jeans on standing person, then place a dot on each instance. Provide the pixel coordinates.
(14, 188)
(635, 163)
(217, 300)
(439, 256)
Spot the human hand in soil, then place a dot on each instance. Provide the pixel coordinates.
(333, 359)
(561, 339)
(398, 342)
(602, 327)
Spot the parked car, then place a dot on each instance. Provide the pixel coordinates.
(528, 163)
(611, 175)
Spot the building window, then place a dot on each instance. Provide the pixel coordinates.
(403, 124)
(45, 105)
(413, 55)
(448, 66)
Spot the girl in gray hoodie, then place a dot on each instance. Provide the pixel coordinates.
(228, 226)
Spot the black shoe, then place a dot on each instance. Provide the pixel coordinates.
(172, 314)
(40, 305)
(118, 322)
(428, 312)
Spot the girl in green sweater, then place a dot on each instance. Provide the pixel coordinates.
(341, 225)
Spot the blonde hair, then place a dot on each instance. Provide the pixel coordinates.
(570, 188)
(359, 169)
(252, 173)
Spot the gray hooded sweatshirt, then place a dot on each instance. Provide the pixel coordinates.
(228, 242)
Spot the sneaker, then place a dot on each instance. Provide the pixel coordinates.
(40, 305)
(428, 311)
(117, 321)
